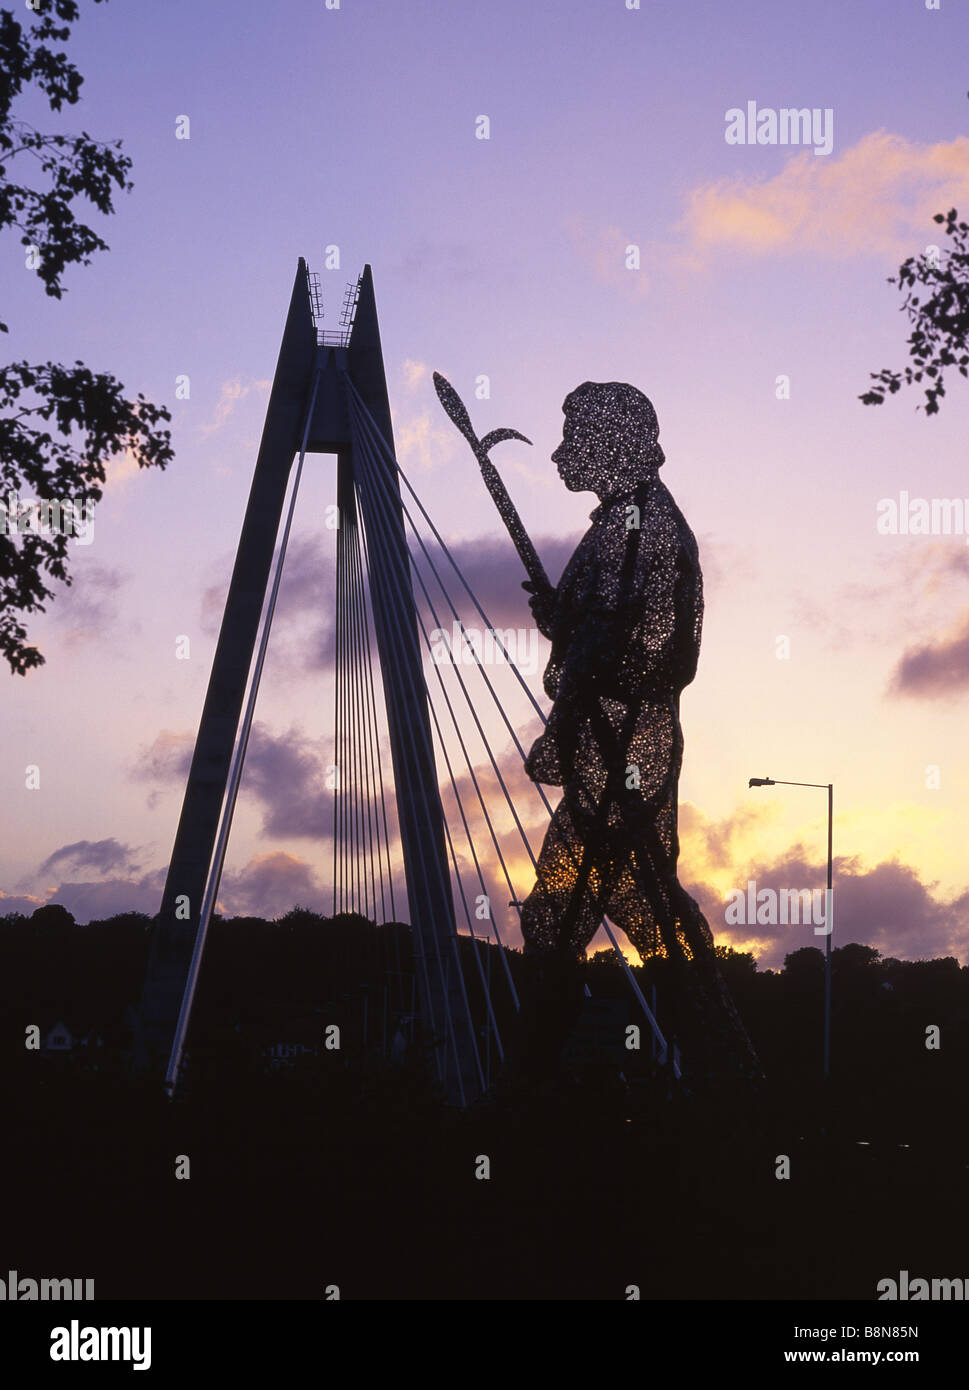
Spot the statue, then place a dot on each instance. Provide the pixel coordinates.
(624, 622)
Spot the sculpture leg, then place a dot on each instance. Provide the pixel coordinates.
(712, 1037)
(560, 916)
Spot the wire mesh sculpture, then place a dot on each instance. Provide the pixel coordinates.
(624, 623)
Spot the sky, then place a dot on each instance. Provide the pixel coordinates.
(605, 230)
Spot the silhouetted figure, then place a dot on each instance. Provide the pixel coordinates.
(624, 623)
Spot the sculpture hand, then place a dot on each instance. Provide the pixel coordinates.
(542, 604)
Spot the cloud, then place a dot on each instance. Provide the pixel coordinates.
(9, 902)
(166, 760)
(414, 373)
(877, 197)
(715, 841)
(925, 577)
(284, 773)
(212, 608)
(438, 262)
(169, 756)
(88, 608)
(93, 901)
(101, 855)
(493, 574)
(935, 669)
(724, 562)
(532, 817)
(423, 442)
(890, 907)
(270, 884)
(928, 578)
(303, 636)
(887, 905)
(120, 468)
(230, 394)
(940, 566)
(126, 890)
(305, 611)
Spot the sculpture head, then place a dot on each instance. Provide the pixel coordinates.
(609, 439)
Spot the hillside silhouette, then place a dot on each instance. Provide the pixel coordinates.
(312, 1166)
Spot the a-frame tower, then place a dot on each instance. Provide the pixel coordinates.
(311, 400)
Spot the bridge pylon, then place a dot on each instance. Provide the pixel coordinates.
(329, 395)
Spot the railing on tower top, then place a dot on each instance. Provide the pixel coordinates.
(332, 337)
(313, 288)
(350, 297)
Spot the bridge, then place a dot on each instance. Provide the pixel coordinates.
(398, 589)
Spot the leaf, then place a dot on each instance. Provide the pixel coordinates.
(497, 436)
(455, 408)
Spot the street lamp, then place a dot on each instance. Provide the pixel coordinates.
(828, 927)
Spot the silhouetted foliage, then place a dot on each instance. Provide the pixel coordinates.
(52, 915)
(352, 1150)
(59, 425)
(940, 336)
(268, 990)
(807, 963)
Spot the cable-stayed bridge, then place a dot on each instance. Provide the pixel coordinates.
(401, 604)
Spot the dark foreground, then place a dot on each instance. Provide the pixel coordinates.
(369, 1184)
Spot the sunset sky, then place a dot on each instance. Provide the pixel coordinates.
(507, 257)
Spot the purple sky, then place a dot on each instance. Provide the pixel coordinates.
(507, 257)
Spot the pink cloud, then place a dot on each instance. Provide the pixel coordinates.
(878, 197)
(936, 668)
(270, 884)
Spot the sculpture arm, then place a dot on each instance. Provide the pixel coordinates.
(624, 623)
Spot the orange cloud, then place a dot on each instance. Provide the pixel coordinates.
(413, 373)
(878, 198)
(120, 468)
(423, 441)
(230, 394)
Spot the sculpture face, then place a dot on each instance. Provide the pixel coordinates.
(609, 439)
(575, 457)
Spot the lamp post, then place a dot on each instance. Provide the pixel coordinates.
(828, 904)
